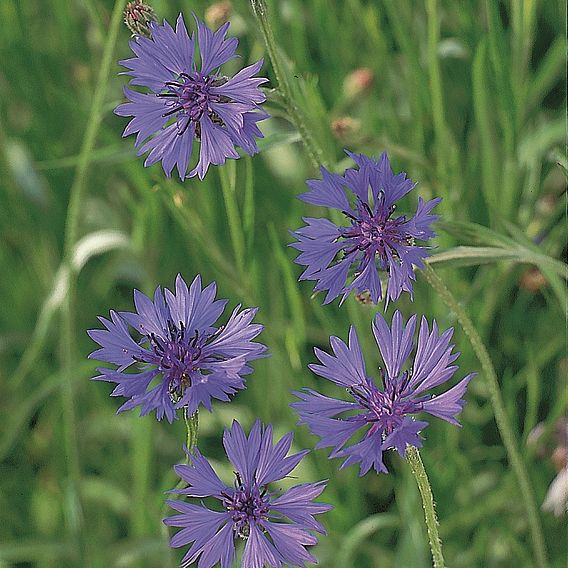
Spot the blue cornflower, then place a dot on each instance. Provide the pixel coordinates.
(275, 525)
(373, 241)
(187, 102)
(178, 359)
(385, 415)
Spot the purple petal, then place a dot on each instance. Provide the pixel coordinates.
(450, 403)
(368, 453)
(243, 87)
(236, 337)
(273, 464)
(117, 345)
(327, 192)
(259, 551)
(405, 434)
(290, 542)
(215, 49)
(433, 358)
(297, 505)
(346, 366)
(246, 137)
(242, 451)
(220, 548)
(395, 346)
(315, 403)
(216, 147)
(201, 478)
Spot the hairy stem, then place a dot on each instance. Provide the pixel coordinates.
(503, 423)
(192, 427)
(417, 467)
(295, 112)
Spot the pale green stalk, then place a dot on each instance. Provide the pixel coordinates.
(503, 423)
(417, 467)
(315, 153)
(436, 90)
(192, 427)
(228, 175)
(74, 519)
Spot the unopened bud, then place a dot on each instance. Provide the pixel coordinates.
(138, 17)
(546, 204)
(364, 298)
(358, 82)
(532, 280)
(346, 129)
(560, 458)
(218, 14)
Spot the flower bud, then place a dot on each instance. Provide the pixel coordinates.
(218, 14)
(358, 82)
(138, 16)
(346, 129)
(532, 280)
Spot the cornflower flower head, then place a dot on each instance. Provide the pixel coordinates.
(178, 358)
(187, 102)
(374, 239)
(384, 416)
(275, 525)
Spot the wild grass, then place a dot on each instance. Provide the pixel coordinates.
(468, 99)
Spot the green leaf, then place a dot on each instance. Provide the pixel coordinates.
(472, 256)
(360, 532)
(278, 139)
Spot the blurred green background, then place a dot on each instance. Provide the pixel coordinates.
(467, 97)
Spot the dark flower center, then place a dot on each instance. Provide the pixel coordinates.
(247, 505)
(190, 98)
(372, 232)
(176, 356)
(386, 409)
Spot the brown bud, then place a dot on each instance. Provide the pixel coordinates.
(218, 14)
(532, 280)
(358, 82)
(138, 16)
(546, 204)
(346, 129)
(560, 457)
(364, 298)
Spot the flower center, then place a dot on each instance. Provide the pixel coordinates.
(386, 409)
(246, 505)
(372, 232)
(191, 96)
(176, 356)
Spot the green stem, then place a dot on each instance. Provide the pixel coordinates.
(296, 115)
(503, 423)
(227, 174)
(192, 427)
(68, 351)
(415, 461)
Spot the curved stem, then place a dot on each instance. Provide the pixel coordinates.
(417, 467)
(503, 423)
(296, 115)
(72, 223)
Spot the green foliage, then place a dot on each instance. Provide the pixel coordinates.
(468, 99)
